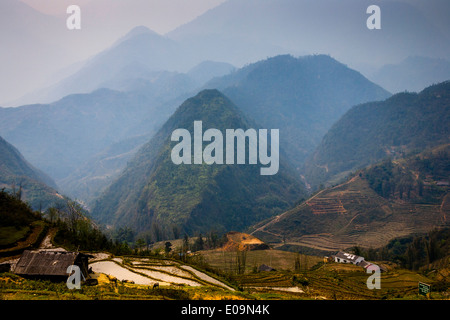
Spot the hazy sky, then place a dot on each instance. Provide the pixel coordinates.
(42, 51)
(161, 16)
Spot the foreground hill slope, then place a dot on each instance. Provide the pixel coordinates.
(373, 131)
(154, 192)
(379, 203)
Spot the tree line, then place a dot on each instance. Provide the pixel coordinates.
(407, 180)
(412, 252)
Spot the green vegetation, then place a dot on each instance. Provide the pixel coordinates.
(76, 232)
(309, 277)
(232, 262)
(16, 288)
(16, 221)
(10, 235)
(413, 252)
(20, 227)
(413, 179)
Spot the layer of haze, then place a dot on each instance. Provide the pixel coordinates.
(160, 16)
(42, 51)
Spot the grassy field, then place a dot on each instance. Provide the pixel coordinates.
(17, 240)
(10, 235)
(277, 259)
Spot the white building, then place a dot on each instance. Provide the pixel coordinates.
(343, 257)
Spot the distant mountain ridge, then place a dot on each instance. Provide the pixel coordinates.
(301, 96)
(256, 29)
(412, 74)
(154, 192)
(141, 46)
(236, 32)
(70, 137)
(60, 136)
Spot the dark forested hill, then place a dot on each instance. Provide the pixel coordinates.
(370, 132)
(154, 193)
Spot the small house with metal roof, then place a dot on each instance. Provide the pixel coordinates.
(51, 265)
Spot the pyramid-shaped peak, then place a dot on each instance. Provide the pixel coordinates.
(138, 31)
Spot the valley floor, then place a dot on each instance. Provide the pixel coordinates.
(133, 278)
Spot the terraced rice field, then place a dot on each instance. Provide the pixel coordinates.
(324, 242)
(326, 206)
(339, 281)
(150, 271)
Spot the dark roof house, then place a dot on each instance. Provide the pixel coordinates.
(50, 264)
(264, 267)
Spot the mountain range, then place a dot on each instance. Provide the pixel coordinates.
(241, 31)
(302, 96)
(58, 137)
(139, 53)
(236, 32)
(100, 128)
(83, 141)
(48, 52)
